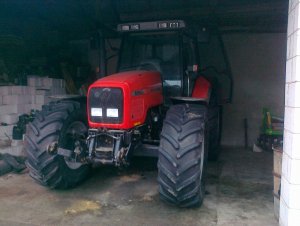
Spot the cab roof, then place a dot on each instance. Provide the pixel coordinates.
(152, 26)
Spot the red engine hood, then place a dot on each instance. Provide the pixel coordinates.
(142, 90)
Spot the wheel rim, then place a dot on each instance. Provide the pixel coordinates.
(77, 127)
(74, 131)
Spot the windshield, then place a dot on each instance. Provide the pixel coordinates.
(154, 51)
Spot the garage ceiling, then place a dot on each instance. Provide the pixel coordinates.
(83, 17)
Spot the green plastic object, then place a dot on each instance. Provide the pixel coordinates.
(271, 125)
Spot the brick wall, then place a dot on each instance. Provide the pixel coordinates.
(290, 181)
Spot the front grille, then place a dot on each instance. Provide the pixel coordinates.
(106, 98)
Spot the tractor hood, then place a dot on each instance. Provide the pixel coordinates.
(130, 94)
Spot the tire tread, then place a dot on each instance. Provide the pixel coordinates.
(179, 161)
(50, 170)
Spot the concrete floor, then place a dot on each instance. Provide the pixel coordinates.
(239, 192)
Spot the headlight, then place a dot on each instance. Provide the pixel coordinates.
(112, 112)
(163, 25)
(125, 27)
(135, 27)
(96, 112)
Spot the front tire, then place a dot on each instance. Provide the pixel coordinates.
(183, 156)
(53, 126)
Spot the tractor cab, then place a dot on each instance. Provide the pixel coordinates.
(163, 47)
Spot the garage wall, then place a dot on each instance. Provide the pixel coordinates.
(258, 67)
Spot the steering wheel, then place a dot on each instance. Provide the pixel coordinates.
(150, 64)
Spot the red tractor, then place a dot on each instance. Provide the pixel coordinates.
(158, 104)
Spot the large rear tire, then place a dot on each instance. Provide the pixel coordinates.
(57, 124)
(182, 156)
